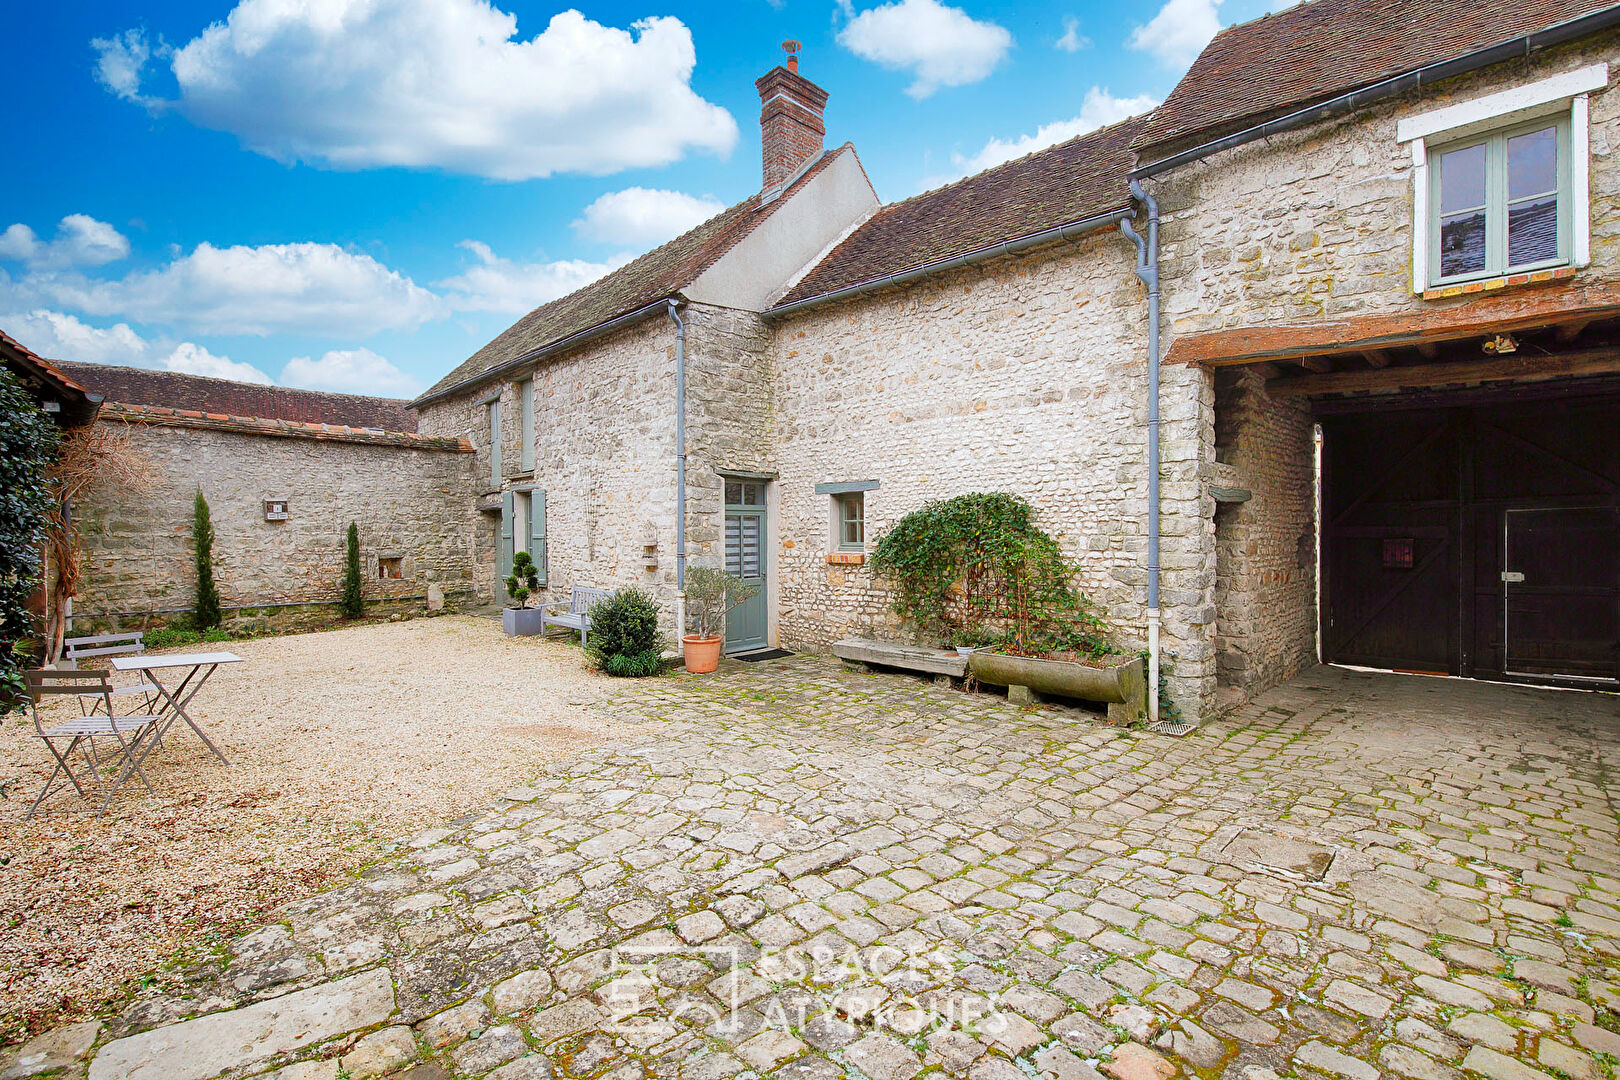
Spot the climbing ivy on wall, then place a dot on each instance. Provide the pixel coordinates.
(28, 447)
(978, 566)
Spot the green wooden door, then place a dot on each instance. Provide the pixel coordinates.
(748, 625)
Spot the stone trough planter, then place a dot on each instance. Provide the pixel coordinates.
(1123, 686)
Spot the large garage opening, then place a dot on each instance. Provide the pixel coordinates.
(1439, 497)
(1474, 534)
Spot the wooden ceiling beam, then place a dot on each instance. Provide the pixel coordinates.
(1571, 330)
(1319, 364)
(1423, 376)
(1376, 358)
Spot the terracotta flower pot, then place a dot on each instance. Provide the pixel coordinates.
(702, 654)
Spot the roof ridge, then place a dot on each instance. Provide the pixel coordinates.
(1094, 132)
(90, 365)
(168, 415)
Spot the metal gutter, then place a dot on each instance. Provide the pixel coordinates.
(1147, 269)
(1070, 231)
(1512, 49)
(680, 470)
(591, 333)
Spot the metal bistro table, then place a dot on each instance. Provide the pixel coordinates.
(175, 699)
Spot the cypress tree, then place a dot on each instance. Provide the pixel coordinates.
(202, 534)
(354, 601)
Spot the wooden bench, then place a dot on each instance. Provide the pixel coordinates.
(940, 663)
(578, 615)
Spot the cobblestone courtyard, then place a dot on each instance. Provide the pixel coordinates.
(810, 872)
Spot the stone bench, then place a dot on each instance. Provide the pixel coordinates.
(942, 664)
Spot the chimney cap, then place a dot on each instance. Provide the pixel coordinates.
(792, 47)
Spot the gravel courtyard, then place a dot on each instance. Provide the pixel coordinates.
(339, 743)
(811, 872)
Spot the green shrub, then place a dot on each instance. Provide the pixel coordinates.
(636, 666)
(202, 535)
(624, 634)
(353, 604)
(977, 569)
(523, 580)
(28, 446)
(170, 636)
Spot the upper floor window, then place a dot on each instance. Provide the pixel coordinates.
(1503, 202)
(1502, 182)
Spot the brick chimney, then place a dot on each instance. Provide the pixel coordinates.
(790, 120)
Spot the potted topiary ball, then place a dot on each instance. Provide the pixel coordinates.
(520, 620)
(710, 595)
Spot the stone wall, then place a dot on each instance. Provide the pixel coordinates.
(1265, 589)
(1027, 376)
(1298, 229)
(410, 504)
(604, 455)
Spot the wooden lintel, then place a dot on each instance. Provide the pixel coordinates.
(1504, 311)
(1376, 358)
(1571, 330)
(1422, 376)
(1318, 364)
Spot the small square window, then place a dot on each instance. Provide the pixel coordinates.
(851, 521)
(390, 568)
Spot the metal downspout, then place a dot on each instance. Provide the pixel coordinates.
(1147, 269)
(680, 472)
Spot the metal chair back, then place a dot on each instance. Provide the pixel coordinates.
(45, 682)
(130, 644)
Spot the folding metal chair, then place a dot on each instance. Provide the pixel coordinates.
(80, 734)
(130, 644)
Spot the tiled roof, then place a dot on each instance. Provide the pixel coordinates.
(199, 393)
(1320, 49)
(46, 377)
(1084, 177)
(657, 275)
(287, 429)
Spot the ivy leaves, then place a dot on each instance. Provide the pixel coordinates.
(979, 563)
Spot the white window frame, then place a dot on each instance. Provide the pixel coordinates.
(1559, 96)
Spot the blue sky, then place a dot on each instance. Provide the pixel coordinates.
(355, 195)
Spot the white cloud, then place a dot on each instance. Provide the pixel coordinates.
(121, 62)
(1099, 109)
(939, 45)
(57, 336)
(1179, 32)
(193, 359)
(644, 217)
(514, 288)
(81, 240)
(305, 288)
(350, 371)
(439, 84)
(1072, 40)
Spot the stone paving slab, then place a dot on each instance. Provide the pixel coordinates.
(821, 873)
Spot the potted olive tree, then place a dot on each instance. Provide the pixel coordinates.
(519, 619)
(710, 595)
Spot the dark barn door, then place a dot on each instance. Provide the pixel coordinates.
(1480, 540)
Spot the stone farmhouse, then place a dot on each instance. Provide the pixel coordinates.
(1371, 242)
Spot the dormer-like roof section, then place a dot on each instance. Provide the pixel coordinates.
(1321, 49)
(658, 275)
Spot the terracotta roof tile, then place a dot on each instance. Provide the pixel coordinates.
(1081, 178)
(1319, 49)
(657, 275)
(163, 416)
(200, 394)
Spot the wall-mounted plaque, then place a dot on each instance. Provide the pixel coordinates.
(275, 509)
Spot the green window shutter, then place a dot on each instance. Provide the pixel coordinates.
(537, 529)
(495, 444)
(503, 557)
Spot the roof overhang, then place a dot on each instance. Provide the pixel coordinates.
(57, 393)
